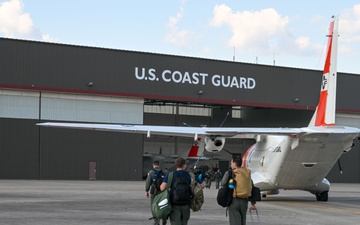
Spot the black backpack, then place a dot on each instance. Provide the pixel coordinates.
(157, 179)
(224, 196)
(180, 191)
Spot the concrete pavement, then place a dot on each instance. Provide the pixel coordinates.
(26, 202)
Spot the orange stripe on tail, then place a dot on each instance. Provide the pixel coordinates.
(194, 149)
(325, 111)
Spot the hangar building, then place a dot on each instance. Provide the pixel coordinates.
(42, 82)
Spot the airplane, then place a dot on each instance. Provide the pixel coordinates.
(281, 158)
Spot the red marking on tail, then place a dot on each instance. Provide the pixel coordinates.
(194, 149)
(321, 109)
(320, 115)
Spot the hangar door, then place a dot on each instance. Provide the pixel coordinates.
(66, 153)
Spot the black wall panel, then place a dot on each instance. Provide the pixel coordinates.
(19, 155)
(28, 151)
(66, 68)
(66, 154)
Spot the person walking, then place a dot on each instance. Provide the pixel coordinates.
(218, 176)
(208, 177)
(242, 190)
(153, 181)
(180, 193)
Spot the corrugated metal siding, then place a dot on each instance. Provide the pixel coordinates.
(63, 153)
(26, 153)
(349, 161)
(19, 104)
(350, 167)
(351, 120)
(66, 154)
(64, 68)
(91, 109)
(348, 92)
(18, 149)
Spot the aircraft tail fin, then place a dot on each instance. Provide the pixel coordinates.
(325, 111)
(196, 149)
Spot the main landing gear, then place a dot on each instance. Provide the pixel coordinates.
(323, 196)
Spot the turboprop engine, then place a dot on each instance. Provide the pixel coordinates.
(214, 144)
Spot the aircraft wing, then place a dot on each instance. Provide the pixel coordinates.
(228, 132)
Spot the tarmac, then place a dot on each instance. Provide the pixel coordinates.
(41, 202)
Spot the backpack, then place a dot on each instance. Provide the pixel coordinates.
(157, 179)
(218, 175)
(224, 196)
(180, 193)
(255, 194)
(243, 187)
(207, 175)
(161, 207)
(198, 194)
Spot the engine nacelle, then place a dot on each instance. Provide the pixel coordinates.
(214, 144)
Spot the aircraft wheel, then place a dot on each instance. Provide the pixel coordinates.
(264, 195)
(323, 196)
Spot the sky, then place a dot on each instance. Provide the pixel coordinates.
(270, 32)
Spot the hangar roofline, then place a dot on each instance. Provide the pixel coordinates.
(163, 54)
